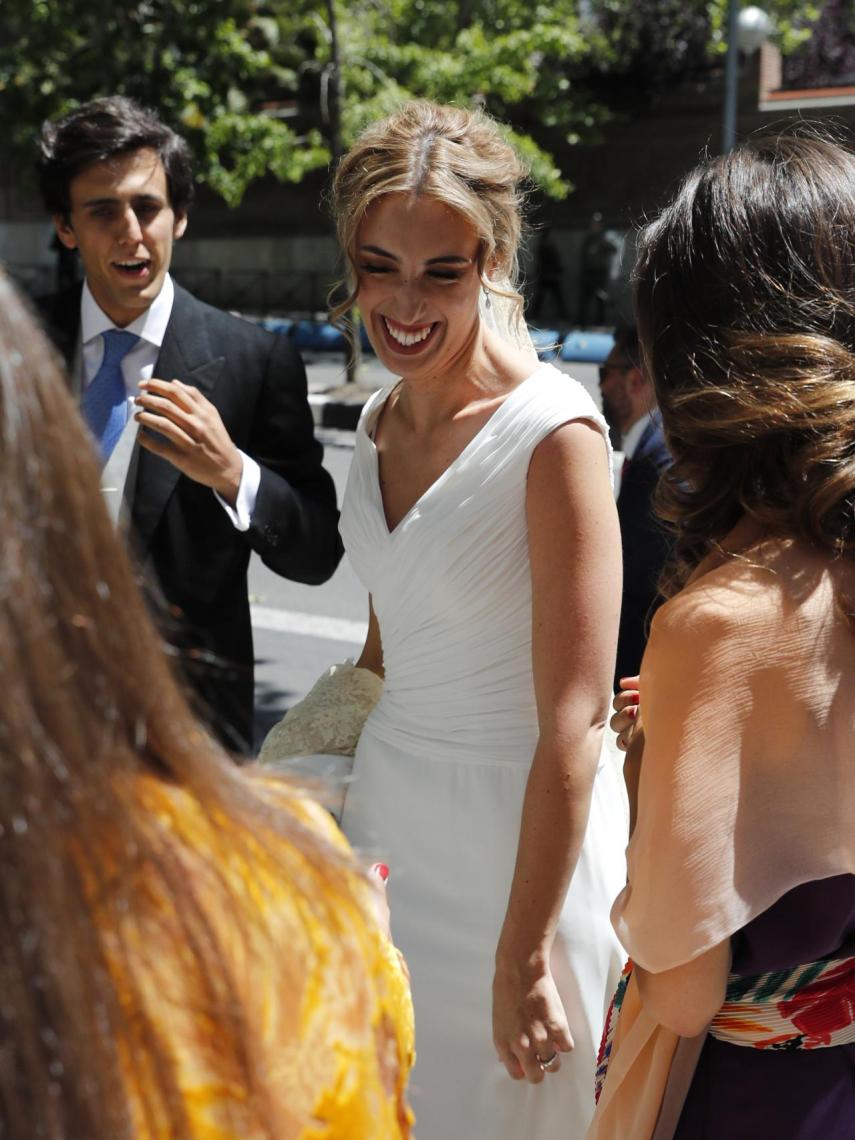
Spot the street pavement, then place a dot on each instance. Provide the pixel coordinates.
(301, 630)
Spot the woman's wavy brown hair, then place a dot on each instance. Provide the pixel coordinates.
(455, 155)
(88, 708)
(745, 300)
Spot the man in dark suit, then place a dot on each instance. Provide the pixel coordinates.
(629, 405)
(201, 418)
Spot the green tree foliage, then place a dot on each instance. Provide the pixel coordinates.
(251, 81)
(208, 66)
(555, 71)
(653, 44)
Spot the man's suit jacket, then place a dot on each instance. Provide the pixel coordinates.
(645, 546)
(178, 529)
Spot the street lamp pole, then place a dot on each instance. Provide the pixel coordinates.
(731, 78)
(747, 29)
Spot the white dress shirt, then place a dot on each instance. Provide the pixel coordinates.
(139, 364)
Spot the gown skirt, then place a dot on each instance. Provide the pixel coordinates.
(441, 768)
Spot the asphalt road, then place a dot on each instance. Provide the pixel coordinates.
(301, 630)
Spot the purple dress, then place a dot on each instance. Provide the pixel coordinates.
(741, 1093)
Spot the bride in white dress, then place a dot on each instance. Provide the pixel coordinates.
(480, 517)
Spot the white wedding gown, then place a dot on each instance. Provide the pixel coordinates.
(441, 767)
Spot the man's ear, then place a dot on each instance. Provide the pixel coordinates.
(636, 380)
(64, 230)
(180, 226)
(641, 388)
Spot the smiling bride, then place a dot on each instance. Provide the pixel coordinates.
(479, 516)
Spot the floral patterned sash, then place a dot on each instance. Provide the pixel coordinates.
(609, 1028)
(806, 1007)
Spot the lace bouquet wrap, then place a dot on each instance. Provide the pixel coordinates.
(318, 736)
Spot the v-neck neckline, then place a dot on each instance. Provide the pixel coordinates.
(446, 471)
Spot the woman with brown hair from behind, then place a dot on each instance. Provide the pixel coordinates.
(736, 1019)
(187, 949)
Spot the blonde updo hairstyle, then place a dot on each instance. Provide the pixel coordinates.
(454, 155)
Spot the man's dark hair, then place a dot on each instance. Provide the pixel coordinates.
(626, 342)
(103, 129)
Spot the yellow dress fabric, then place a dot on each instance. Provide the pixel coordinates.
(310, 987)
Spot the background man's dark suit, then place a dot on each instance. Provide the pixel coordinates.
(257, 382)
(645, 546)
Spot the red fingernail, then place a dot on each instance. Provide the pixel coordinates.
(632, 712)
(382, 870)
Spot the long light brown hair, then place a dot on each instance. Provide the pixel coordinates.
(745, 298)
(455, 155)
(88, 707)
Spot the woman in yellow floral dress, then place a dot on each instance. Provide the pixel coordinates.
(187, 949)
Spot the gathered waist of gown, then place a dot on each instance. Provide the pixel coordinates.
(493, 737)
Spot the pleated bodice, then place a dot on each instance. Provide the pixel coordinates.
(451, 584)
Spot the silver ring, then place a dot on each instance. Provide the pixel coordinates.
(548, 1064)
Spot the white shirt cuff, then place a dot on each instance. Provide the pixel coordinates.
(250, 478)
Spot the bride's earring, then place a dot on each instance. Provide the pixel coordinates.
(488, 304)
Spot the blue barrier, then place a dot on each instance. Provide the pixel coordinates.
(318, 336)
(313, 336)
(587, 347)
(281, 325)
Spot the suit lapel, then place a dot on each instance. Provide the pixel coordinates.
(651, 438)
(647, 437)
(186, 354)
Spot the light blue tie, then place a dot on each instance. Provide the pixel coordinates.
(105, 401)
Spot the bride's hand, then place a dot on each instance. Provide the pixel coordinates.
(379, 876)
(626, 707)
(530, 1029)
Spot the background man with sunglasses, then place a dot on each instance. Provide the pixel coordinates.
(629, 405)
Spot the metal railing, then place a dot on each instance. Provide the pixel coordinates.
(295, 292)
(35, 280)
(258, 290)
